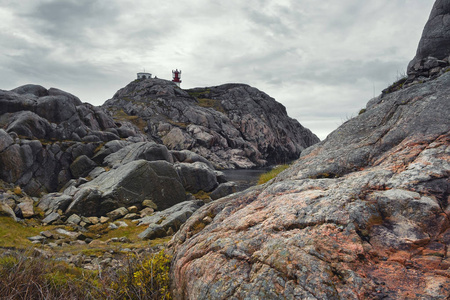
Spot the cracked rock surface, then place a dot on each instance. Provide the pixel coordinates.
(361, 215)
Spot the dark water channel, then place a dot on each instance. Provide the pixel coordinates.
(244, 178)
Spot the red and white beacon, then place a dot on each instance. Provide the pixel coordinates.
(176, 75)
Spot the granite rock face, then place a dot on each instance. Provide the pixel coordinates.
(362, 215)
(232, 125)
(435, 41)
(43, 132)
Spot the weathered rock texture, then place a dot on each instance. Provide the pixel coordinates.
(435, 40)
(232, 125)
(432, 57)
(43, 132)
(361, 215)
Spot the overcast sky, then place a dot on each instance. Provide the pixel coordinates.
(322, 59)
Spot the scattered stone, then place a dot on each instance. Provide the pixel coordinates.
(70, 234)
(146, 212)
(73, 219)
(103, 219)
(149, 203)
(6, 210)
(97, 243)
(112, 226)
(48, 234)
(93, 220)
(133, 209)
(121, 224)
(207, 220)
(41, 253)
(131, 216)
(51, 218)
(37, 239)
(26, 207)
(117, 213)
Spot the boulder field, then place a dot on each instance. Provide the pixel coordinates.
(363, 214)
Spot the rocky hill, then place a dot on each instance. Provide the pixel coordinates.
(362, 215)
(232, 125)
(64, 162)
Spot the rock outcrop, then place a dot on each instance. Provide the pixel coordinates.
(43, 132)
(433, 54)
(435, 40)
(232, 125)
(361, 215)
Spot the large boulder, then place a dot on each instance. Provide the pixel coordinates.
(144, 150)
(130, 184)
(168, 220)
(361, 215)
(197, 177)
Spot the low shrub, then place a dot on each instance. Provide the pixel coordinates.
(25, 276)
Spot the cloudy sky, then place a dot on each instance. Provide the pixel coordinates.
(322, 59)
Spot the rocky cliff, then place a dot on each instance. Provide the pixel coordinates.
(361, 215)
(232, 125)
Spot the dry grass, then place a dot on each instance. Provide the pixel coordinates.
(272, 174)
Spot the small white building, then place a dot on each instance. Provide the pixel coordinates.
(143, 75)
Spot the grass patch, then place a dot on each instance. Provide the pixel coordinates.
(272, 174)
(121, 115)
(131, 232)
(211, 103)
(202, 195)
(14, 234)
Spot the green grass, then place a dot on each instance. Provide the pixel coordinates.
(121, 115)
(272, 174)
(14, 234)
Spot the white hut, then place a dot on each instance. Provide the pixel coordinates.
(143, 75)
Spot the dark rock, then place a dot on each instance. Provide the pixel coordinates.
(107, 149)
(435, 40)
(170, 219)
(153, 231)
(196, 177)
(186, 156)
(144, 150)
(32, 89)
(51, 218)
(54, 202)
(129, 184)
(224, 189)
(81, 166)
(5, 140)
(46, 121)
